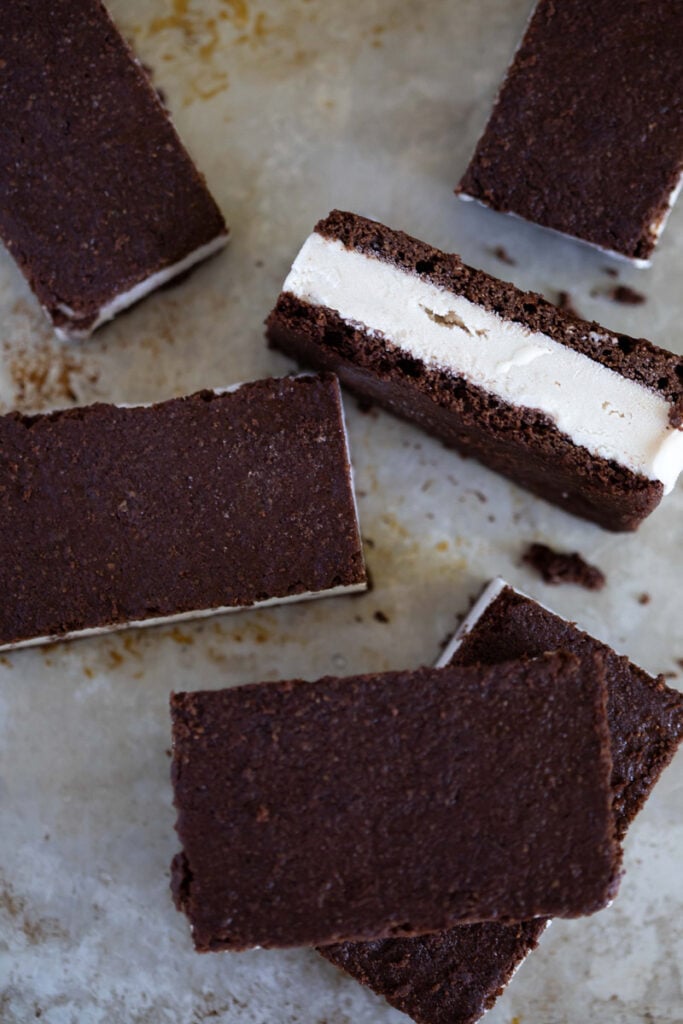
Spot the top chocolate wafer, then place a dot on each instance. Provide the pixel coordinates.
(586, 135)
(100, 203)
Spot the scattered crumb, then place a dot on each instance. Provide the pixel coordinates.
(629, 296)
(679, 662)
(644, 599)
(610, 271)
(502, 254)
(365, 405)
(564, 301)
(491, 518)
(168, 752)
(558, 567)
(380, 616)
(669, 675)
(479, 495)
(369, 542)
(625, 295)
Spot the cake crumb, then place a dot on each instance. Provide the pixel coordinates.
(380, 616)
(557, 567)
(644, 598)
(502, 254)
(626, 296)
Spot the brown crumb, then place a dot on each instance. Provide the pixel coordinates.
(626, 296)
(564, 301)
(365, 405)
(380, 616)
(610, 271)
(644, 599)
(679, 662)
(558, 567)
(502, 254)
(669, 675)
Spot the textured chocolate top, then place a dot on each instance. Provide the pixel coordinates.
(96, 190)
(635, 358)
(453, 977)
(587, 133)
(112, 514)
(392, 804)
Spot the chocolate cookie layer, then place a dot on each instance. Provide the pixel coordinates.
(516, 439)
(586, 135)
(99, 201)
(392, 804)
(112, 516)
(455, 976)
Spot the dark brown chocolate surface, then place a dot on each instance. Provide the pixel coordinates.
(453, 977)
(392, 804)
(586, 135)
(96, 190)
(521, 443)
(557, 567)
(112, 514)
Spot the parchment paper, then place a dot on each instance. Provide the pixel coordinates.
(292, 108)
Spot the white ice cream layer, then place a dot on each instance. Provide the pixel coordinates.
(128, 298)
(201, 613)
(611, 416)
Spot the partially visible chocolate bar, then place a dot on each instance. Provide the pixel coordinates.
(115, 516)
(100, 203)
(392, 804)
(455, 976)
(586, 136)
(581, 416)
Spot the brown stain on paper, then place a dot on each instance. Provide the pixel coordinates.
(36, 929)
(46, 375)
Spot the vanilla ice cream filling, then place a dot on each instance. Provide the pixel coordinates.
(143, 288)
(611, 416)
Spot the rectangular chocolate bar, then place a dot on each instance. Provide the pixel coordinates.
(581, 416)
(455, 976)
(114, 516)
(392, 804)
(99, 201)
(586, 136)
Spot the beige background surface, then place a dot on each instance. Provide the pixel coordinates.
(291, 108)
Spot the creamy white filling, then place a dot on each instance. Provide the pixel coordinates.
(166, 620)
(632, 261)
(203, 613)
(611, 416)
(128, 298)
